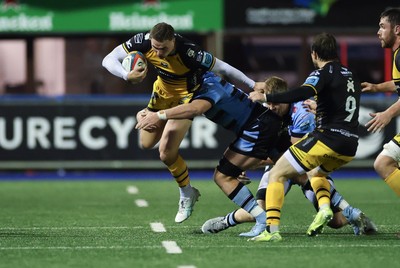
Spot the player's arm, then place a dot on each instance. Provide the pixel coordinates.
(112, 62)
(184, 111)
(236, 76)
(382, 119)
(387, 86)
(298, 94)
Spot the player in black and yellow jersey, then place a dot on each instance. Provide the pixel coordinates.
(180, 65)
(387, 162)
(332, 144)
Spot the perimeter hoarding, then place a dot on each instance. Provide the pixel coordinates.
(307, 14)
(91, 132)
(98, 132)
(101, 16)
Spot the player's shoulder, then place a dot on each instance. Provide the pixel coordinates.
(140, 42)
(186, 47)
(302, 119)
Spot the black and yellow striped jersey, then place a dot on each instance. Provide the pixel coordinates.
(396, 70)
(180, 72)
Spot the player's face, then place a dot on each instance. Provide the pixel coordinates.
(386, 33)
(280, 109)
(164, 48)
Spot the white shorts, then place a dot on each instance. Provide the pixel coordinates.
(391, 150)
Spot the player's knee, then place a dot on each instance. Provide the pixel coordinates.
(146, 145)
(167, 156)
(383, 168)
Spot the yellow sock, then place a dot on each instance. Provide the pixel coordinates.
(274, 202)
(394, 181)
(321, 189)
(180, 172)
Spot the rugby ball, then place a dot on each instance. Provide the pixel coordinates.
(134, 60)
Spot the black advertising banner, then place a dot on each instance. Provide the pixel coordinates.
(313, 13)
(99, 133)
(85, 132)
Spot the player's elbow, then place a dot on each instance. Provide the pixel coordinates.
(106, 62)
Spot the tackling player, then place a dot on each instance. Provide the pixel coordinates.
(302, 121)
(256, 127)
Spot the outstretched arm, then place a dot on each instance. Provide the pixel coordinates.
(387, 86)
(183, 111)
(236, 76)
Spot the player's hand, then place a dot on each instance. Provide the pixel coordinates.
(243, 178)
(310, 106)
(378, 122)
(141, 114)
(137, 75)
(257, 96)
(259, 87)
(148, 121)
(368, 87)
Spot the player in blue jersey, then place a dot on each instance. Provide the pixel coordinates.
(179, 64)
(256, 127)
(302, 121)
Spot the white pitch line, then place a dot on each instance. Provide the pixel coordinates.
(68, 228)
(171, 247)
(157, 227)
(186, 266)
(141, 203)
(132, 190)
(78, 247)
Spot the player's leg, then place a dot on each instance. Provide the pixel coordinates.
(274, 198)
(343, 212)
(257, 229)
(239, 216)
(173, 134)
(225, 176)
(386, 164)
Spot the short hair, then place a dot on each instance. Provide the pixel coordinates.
(162, 31)
(325, 46)
(275, 84)
(392, 15)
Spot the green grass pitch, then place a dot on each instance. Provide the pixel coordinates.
(97, 223)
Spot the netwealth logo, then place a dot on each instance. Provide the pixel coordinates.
(321, 7)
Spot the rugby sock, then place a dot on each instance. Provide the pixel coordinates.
(180, 172)
(230, 219)
(274, 202)
(321, 188)
(394, 181)
(242, 197)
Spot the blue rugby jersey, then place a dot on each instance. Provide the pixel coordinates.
(231, 107)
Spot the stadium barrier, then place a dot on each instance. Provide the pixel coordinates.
(85, 132)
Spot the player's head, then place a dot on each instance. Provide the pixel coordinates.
(389, 28)
(162, 37)
(274, 85)
(324, 48)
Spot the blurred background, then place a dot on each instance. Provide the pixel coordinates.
(61, 110)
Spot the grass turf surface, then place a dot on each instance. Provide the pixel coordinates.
(98, 224)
